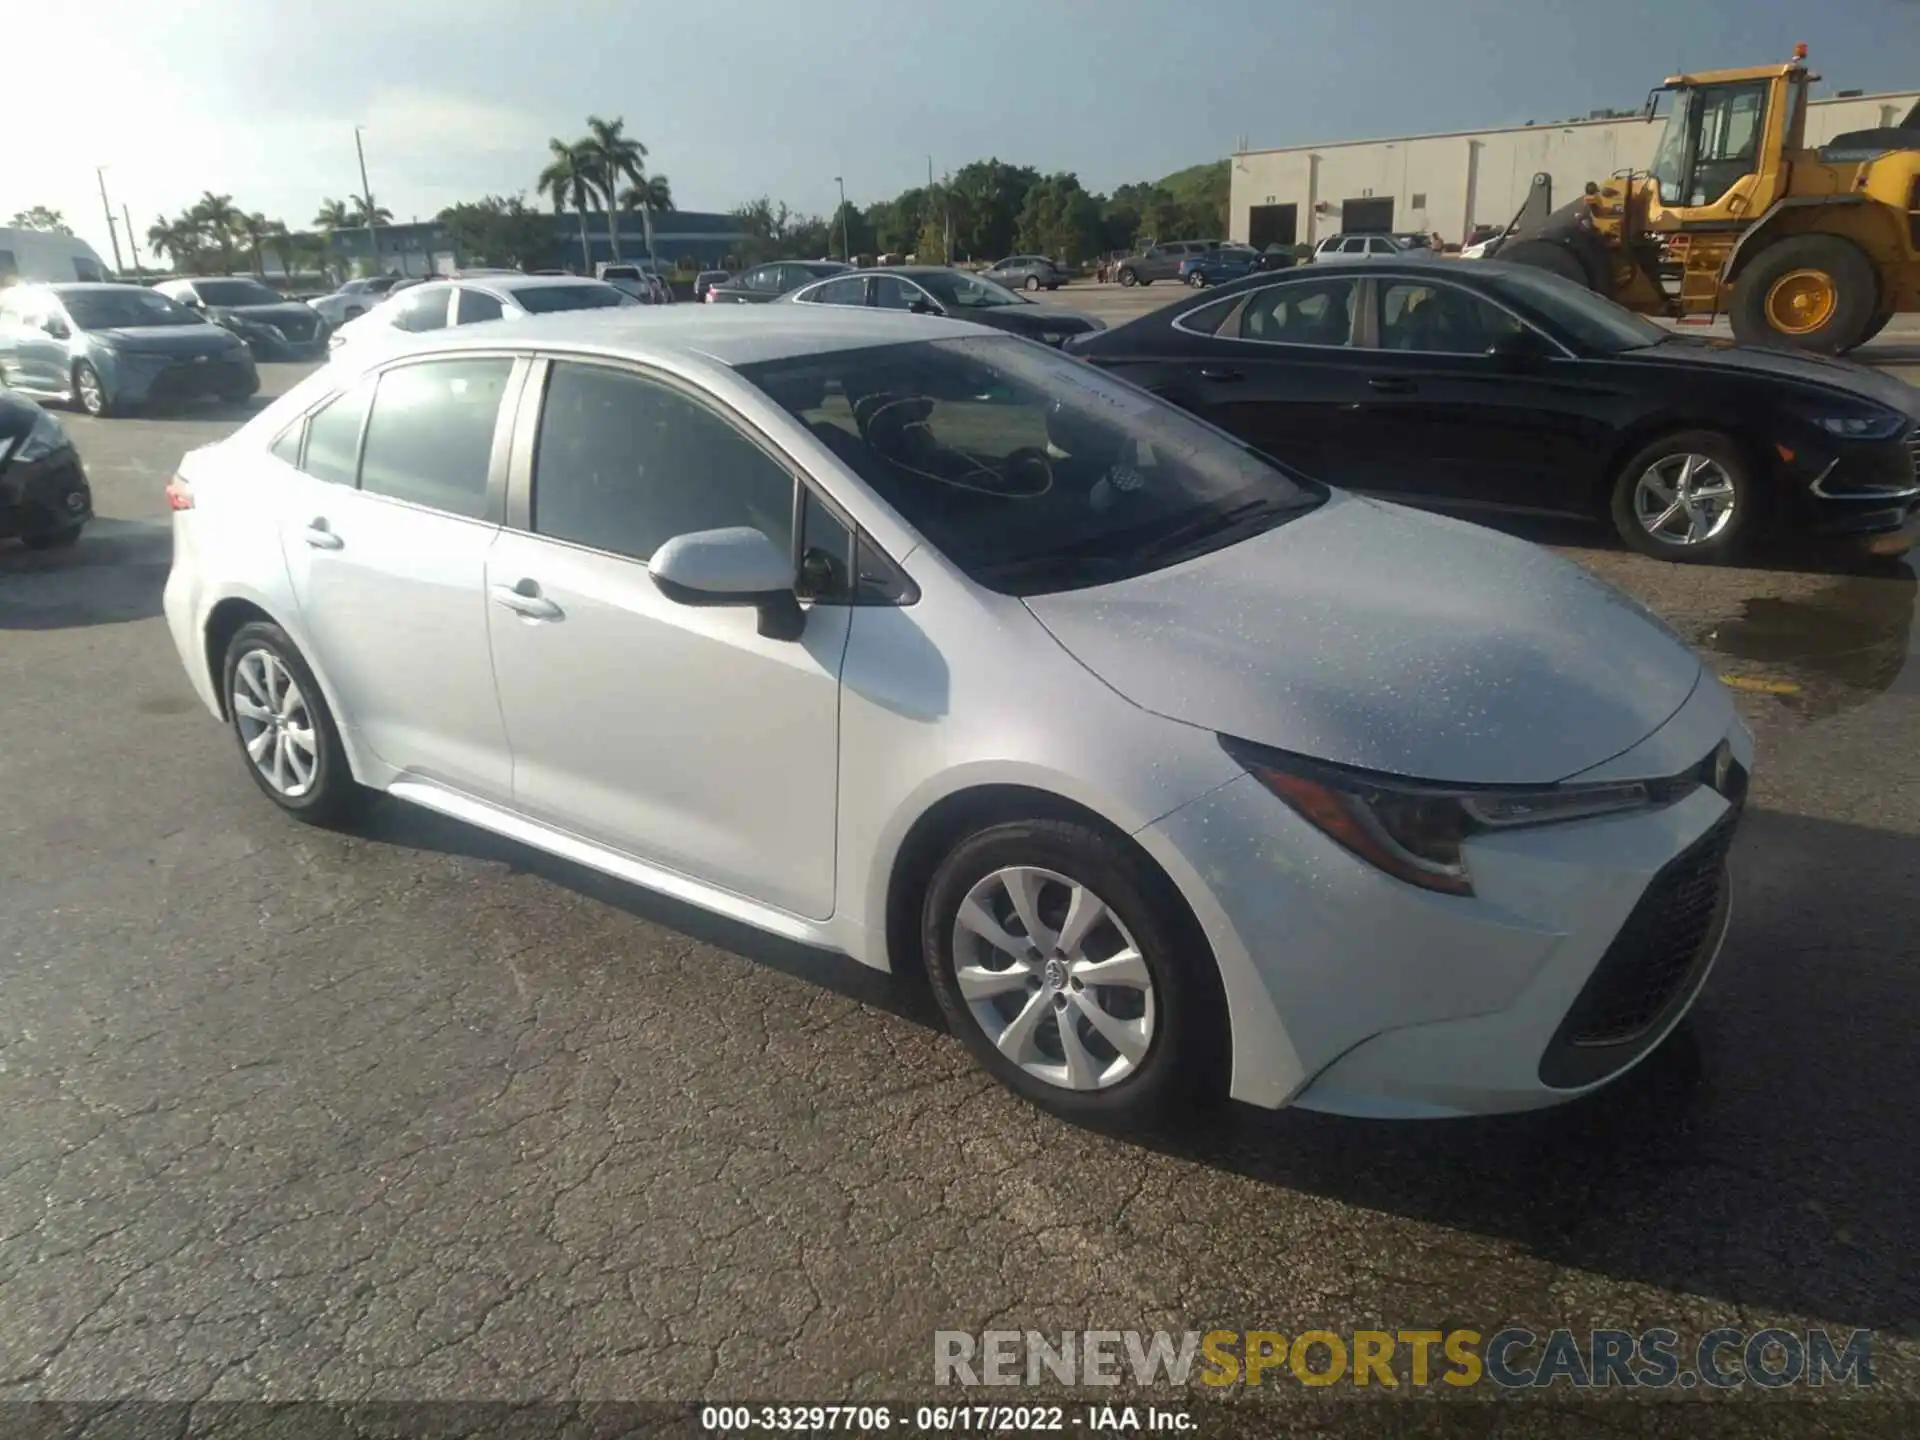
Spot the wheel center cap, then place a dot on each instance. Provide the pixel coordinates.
(1055, 974)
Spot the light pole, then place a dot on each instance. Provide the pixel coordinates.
(113, 228)
(366, 198)
(132, 244)
(846, 252)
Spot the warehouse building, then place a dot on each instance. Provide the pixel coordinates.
(1448, 184)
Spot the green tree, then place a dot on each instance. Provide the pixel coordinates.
(848, 233)
(333, 215)
(178, 239)
(568, 180)
(987, 196)
(255, 227)
(1059, 218)
(764, 223)
(219, 221)
(363, 215)
(498, 230)
(614, 159)
(39, 217)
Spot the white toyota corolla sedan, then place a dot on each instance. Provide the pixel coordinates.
(1175, 769)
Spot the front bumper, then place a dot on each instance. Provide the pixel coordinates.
(1858, 490)
(165, 379)
(44, 496)
(1581, 948)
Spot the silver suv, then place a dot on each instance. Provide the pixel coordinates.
(1370, 247)
(1162, 262)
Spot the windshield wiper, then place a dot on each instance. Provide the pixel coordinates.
(1210, 526)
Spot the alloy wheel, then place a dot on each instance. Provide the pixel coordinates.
(276, 727)
(1053, 978)
(93, 399)
(1685, 499)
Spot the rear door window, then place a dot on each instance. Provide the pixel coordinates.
(333, 437)
(430, 434)
(1316, 312)
(475, 306)
(422, 309)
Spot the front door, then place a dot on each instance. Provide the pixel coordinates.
(386, 533)
(31, 358)
(675, 733)
(1446, 420)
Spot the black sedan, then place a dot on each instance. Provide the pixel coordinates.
(937, 290)
(1496, 386)
(772, 280)
(44, 496)
(274, 327)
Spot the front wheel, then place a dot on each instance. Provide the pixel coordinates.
(286, 734)
(61, 539)
(88, 393)
(1128, 279)
(1686, 497)
(1033, 282)
(1062, 961)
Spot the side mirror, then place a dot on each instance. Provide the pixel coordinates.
(734, 566)
(56, 327)
(922, 307)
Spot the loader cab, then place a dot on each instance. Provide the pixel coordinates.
(1719, 162)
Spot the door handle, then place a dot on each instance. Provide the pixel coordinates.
(1215, 372)
(1392, 385)
(321, 537)
(524, 598)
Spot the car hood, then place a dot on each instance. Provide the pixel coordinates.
(287, 310)
(1374, 636)
(167, 339)
(1827, 371)
(1029, 320)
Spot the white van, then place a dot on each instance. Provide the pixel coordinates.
(35, 257)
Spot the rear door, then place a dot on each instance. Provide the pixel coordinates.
(386, 533)
(1444, 419)
(1277, 366)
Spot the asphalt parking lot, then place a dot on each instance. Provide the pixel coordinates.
(412, 1112)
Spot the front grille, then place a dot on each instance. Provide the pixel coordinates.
(186, 379)
(297, 328)
(1651, 965)
(1913, 452)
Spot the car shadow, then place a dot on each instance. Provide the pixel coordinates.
(209, 412)
(115, 573)
(1766, 1155)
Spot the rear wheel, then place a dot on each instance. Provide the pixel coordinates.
(1687, 496)
(1067, 969)
(1033, 282)
(1806, 292)
(53, 539)
(286, 734)
(1129, 277)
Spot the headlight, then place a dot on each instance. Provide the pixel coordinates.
(45, 438)
(1883, 427)
(1416, 832)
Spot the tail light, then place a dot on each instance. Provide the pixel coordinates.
(179, 494)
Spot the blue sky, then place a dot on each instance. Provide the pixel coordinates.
(779, 96)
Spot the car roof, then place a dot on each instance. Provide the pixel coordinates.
(510, 280)
(732, 335)
(83, 287)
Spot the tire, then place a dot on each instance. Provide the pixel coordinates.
(1129, 277)
(1763, 292)
(1176, 1017)
(89, 393)
(1033, 282)
(1874, 327)
(61, 539)
(1721, 466)
(330, 794)
(1554, 259)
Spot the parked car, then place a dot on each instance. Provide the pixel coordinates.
(29, 257)
(1028, 272)
(443, 303)
(770, 281)
(1504, 387)
(1162, 759)
(705, 281)
(1160, 262)
(353, 299)
(643, 284)
(1373, 247)
(105, 348)
(45, 501)
(1217, 267)
(274, 327)
(940, 290)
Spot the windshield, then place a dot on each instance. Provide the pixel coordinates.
(237, 292)
(967, 292)
(124, 309)
(1031, 471)
(543, 299)
(1592, 322)
(1670, 158)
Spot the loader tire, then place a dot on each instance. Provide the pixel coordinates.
(1806, 292)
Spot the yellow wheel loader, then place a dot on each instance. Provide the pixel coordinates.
(1807, 249)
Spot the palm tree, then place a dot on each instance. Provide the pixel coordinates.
(255, 228)
(653, 193)
(568, 180)
(277, 238)
(612, 157)
(219, 219)
(364, 215)
(179, 240)
(332, 215)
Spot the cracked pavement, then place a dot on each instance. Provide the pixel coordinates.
(415, 1113)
